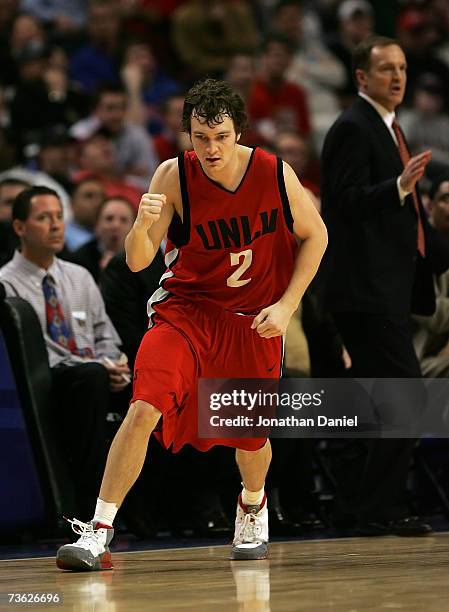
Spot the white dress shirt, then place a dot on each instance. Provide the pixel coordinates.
(387, 117)
(81, 303)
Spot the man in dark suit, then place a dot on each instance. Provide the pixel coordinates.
(378, 270)
(126, 294)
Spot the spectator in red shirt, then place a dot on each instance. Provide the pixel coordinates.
(272, 98)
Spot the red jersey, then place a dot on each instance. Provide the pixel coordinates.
(235, 249)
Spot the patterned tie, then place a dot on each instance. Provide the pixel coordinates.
(405, 157)
(57, 326)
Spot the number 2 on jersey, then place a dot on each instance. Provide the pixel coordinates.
(234, 279)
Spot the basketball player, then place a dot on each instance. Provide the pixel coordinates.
(234, 278)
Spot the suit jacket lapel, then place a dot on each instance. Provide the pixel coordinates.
(381, 131)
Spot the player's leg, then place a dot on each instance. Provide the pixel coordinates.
(157, 382)
(253, 467)
(124, 464)
(256, 357)
(127, 453)
(251, 523)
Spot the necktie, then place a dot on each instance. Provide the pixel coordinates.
(405, 156)
(57, 327)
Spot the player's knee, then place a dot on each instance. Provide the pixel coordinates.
(143, 416)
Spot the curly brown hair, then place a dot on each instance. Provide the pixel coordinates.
(210, 101)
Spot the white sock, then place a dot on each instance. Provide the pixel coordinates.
(252, 498)
(105, 512)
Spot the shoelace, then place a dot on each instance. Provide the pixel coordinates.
(85, 530)
(250, 528)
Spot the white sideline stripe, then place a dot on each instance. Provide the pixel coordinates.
(160, 292)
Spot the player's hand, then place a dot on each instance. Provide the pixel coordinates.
(150, 208)
(272, 321)
(414, 170)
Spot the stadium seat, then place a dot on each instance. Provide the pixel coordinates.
(27, 354)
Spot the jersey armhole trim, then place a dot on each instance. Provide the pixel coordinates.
(185, 232)
(283, 193)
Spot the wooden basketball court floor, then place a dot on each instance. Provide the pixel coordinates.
(347, 575)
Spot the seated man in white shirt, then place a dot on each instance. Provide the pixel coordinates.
(82, 344)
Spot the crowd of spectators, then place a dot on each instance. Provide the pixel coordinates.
(94, 88)
(91, 96)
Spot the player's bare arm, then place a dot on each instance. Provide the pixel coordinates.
(311, 231)
(156, 210)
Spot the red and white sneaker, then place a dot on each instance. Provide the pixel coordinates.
(90, 552)
(251, 532)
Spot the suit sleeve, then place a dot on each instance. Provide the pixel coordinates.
(107, 340)
(349, 174)
(125, 304)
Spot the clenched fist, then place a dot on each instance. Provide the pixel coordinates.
(149, 210)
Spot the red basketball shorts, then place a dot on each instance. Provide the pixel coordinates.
(190, 341)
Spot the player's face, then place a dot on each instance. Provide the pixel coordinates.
(215, 146)
(386, 77)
